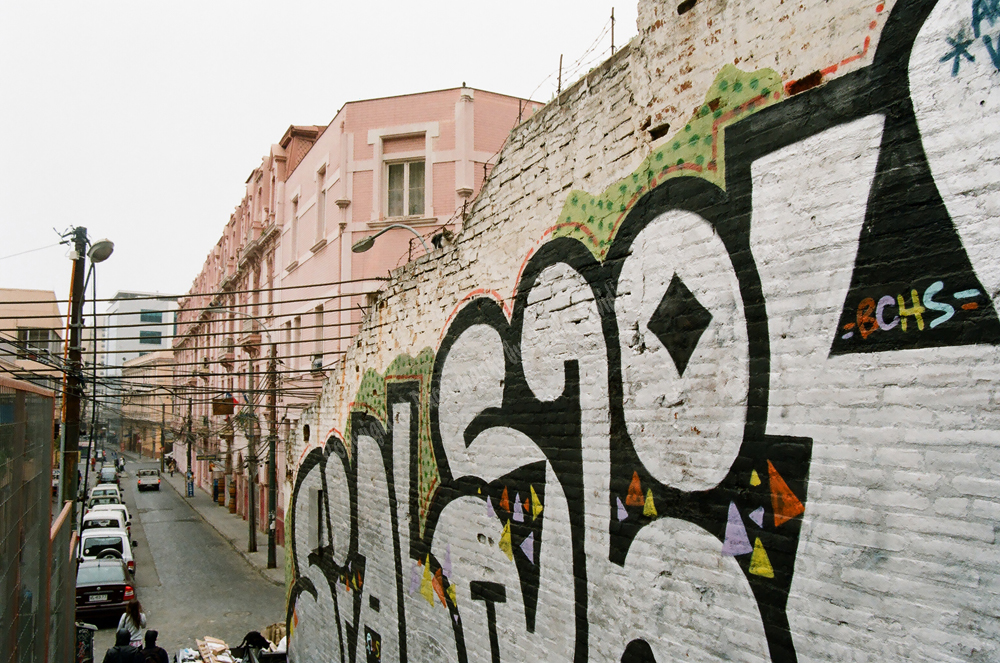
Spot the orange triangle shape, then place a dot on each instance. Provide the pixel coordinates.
(504, 500)
(786, 505)
(438, 583)
(634, 497)
(527, 505)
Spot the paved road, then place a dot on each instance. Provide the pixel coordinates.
(191, 581)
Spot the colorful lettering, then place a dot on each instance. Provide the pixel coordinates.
(916, 311)
(867, 324)
(947, 310)
(887, 300)
(983, 10)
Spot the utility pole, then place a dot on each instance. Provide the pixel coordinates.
(612, 31)
(252, 469)
(73, 383)
(163, 433)
(559, 85)
(187, 439)
(272, 458)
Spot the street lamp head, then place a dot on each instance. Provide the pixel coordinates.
(101, 250)
(364, 244)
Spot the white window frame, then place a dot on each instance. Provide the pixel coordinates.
(380, 186)
(406, 188)
(293, 235)
(320, 203)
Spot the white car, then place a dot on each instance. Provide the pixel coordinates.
(102, 489)
(118, 508)
(106, 520)
(99, 543)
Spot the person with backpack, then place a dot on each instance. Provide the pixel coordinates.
(133, 620)
(122, 652)
(152, 653)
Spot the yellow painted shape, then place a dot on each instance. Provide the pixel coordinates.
(650, 509)
(696, 149)
(427, 583)
(754, 478)
(760, 565)
(536, 504)
(452, 594)
(505, 544)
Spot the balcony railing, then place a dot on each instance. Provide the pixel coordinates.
(250, 333)
(228, 354)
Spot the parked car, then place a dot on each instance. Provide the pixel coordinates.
(106, 520)
(107, 544)
(116, 508)
(102, 489)
(103, 586)
(108, 474)
(147, 479)
(103, 499)
(55, 482)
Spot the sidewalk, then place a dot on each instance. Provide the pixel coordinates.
(232, 527)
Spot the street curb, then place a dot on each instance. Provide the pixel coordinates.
(261, 572)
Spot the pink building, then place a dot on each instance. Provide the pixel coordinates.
(283, 271)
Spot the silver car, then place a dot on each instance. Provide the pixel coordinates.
(147, 479)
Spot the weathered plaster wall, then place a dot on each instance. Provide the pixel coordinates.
(723, 390)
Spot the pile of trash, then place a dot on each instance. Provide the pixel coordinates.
(255, 648)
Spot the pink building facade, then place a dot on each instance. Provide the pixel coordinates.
(283, 278)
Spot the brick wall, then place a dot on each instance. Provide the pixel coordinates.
(709, 373)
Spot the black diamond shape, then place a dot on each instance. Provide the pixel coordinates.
(679, 321)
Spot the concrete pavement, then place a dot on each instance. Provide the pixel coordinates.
(232, 527)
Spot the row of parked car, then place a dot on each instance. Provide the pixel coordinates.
(105, 577)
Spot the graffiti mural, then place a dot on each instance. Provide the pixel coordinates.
(605, 446)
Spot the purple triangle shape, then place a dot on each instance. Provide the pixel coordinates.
(757, 515)
(528, 547)
(622, 513)
(446, 567)
(414, 577)
(736, 542)
(518, 509)
(489, 508)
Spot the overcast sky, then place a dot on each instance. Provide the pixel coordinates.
(142, 120)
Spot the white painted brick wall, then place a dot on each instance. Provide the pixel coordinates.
(895, 554)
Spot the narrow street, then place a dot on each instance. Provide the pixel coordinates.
(191, 583)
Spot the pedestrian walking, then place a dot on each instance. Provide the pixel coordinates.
(133, 620)
(122, 652)
(152, 653)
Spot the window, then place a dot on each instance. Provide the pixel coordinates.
(150, 316)
(317, 358)
(406, 188)
(35, 342)
(320, 205)
(293, 252)
(150, 337)
(296, 340)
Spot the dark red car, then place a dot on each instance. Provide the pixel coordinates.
(103, 587)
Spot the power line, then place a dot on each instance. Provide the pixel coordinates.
(218, 309)
(22, 253)
(226, 293)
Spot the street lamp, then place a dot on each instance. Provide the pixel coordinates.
(368, 242)
(99, 252)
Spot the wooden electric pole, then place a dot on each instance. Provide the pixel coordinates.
(73, 382)
(272, 458)
(251, 467)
